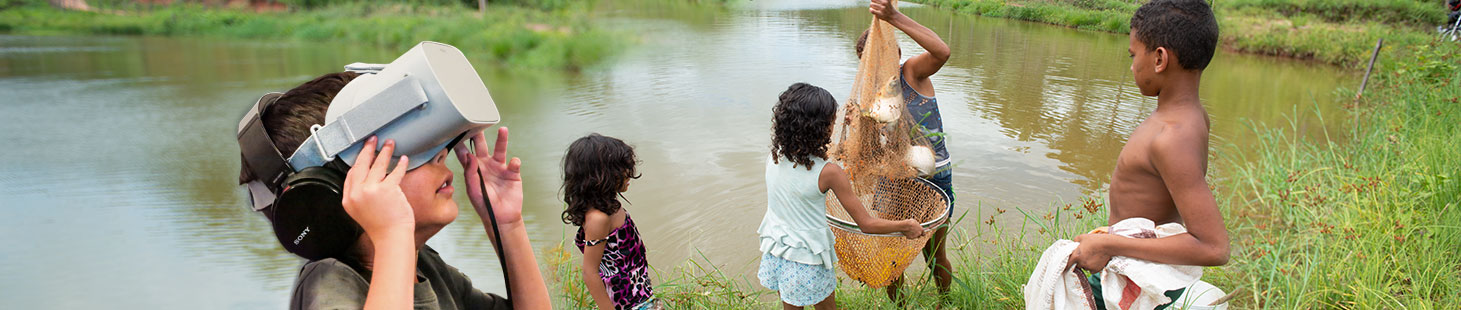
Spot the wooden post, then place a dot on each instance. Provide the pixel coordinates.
(482, 8)
(1369, 69)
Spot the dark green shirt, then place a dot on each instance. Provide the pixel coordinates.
(334, 284)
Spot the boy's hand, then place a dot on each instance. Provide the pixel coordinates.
(912, 229)
(883, 9)
(503, 177)
(373, 197)
(1091, 254)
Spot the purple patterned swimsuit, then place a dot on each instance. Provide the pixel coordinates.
(624, 268)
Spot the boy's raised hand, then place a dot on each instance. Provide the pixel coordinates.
(372, 195)
(503, 176)
(883, 9)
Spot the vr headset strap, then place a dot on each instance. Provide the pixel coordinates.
(400, 97)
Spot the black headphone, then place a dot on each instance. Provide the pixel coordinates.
(309, 219)
(306, 212)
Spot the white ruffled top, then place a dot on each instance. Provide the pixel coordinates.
(795, 226)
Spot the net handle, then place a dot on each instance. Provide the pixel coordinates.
(853, 228)
(942, 219)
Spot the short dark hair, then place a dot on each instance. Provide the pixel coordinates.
(862, 42)
(801, 124)
(288, 120)
(1185, 27)
(594, 169)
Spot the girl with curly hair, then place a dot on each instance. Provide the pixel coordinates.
(596, 170)
(796, 244)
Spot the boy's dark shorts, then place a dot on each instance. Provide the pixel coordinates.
(945, 181)
(1095, 279)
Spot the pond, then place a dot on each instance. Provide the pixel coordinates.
(118, 184)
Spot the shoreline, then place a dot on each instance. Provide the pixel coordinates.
(507, 35)
(1248, 26)
(1360, 223)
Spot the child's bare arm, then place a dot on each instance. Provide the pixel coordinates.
(595, 227)
(373, 197)
(502, 178)
(1180, 157)
(921, 66)
(528, 289)
(835, 179)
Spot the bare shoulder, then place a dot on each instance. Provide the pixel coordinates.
(832, 169)
(595, 224)
(1182, 139)
(830, 174)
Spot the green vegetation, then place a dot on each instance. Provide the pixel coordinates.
(991, 264)
(1410, 12)
(313, 4)
(1367, 219)
(1368, 223)
(514, 35)
(1101, 15)
(698, 284)
(1339, 32)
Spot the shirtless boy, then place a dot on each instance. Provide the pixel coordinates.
(1160, 174)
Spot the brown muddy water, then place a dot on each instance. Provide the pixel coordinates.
(117, 184)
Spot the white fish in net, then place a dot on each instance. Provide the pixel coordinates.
(888, 104)
(922, 159)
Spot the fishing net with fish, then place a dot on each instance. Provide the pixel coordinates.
(885, 151)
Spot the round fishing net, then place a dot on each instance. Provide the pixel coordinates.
(884, 151)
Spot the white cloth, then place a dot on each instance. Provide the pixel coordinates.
(1055, 285)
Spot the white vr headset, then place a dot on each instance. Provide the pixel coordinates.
(426, 99)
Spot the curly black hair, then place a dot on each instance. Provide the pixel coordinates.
(1186, 27)
(594, 171)
(801, 124)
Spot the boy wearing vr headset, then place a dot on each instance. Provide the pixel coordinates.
(364, 226)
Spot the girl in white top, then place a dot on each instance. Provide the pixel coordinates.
(796, 244)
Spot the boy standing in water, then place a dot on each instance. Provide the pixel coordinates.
(1160, 174)
(919, 97)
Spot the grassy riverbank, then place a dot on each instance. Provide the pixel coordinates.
(1339, 32)
(1370, 221)
(1367, 218)
(522, 36)
(991, 264)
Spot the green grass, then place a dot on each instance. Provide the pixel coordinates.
(1100, 15)
(1369, 221)
(1347, 45)
(1410, 12)
(1340, 32)
(983, 281)
(1367, 218)
(516, 36)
